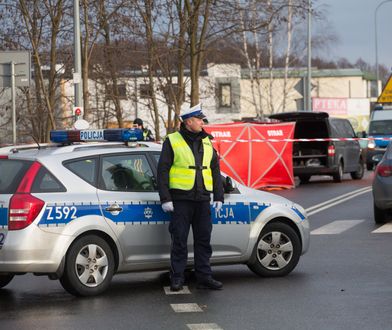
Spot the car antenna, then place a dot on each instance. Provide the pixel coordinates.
(36, 141)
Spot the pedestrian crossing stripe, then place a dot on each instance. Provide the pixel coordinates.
(387, 228)
(339, 226)
(336, 227)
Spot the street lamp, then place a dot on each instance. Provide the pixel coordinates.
(376, 43)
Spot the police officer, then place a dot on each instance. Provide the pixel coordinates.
(188, 172)
(147, 134)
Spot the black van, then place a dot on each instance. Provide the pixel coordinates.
(323, 157)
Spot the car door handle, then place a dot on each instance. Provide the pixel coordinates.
(114, 208)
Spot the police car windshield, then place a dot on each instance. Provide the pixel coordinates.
(383, 127)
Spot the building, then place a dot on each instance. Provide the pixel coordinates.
(227, 93)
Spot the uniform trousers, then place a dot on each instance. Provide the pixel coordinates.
(198, 215)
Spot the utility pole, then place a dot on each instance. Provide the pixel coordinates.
(376, 43)
(13, 93)
(308, 104)
(77, 76)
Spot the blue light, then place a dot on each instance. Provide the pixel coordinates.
(113, 135)
(59, 136)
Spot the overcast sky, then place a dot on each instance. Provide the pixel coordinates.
(353, 22)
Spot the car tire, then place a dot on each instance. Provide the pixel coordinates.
(276, 252)
(369, 166)
(303, 179)
(89, 266)
(5, 279)
(380, 216)
(358, 175)
(338, 176)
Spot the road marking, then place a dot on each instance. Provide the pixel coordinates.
(387, 228)
(204, 326)
(336, 227)
(185, 290)
(186, 308)
(337, 200)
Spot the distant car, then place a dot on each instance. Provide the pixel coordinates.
(382, 188)
(323, 157)
(380, 128)
(82, 212)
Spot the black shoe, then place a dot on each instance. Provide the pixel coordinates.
(211, 284)
(176, 284)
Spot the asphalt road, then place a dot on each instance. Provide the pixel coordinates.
(341, 283)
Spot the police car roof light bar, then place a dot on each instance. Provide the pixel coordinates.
(113, 135)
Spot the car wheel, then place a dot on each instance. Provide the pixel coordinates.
(5, 279)
(338, 176)
(380, 216)
(277, 251)
(304, 178)
(358, 174)
(89, 266)
(369, 166)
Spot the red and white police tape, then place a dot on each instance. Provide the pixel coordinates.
(306, 140)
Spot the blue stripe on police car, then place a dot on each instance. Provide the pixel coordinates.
(237, 213)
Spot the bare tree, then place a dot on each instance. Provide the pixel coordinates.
(196, 11)
(36, 15)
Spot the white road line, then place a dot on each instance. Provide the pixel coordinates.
(387, 228)
(335, 201)
(204, 326)
(186, 308)
(336, 227)
(185, 290)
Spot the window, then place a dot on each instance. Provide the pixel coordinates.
(145, 91)
(121, 92)
(225, 95)
(127, 173)
(168, 91)
(46, 182)
(84, 168)
(11, 174)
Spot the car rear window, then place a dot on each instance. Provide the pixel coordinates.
(46, 182)
(85, 168)
(308, 129)
(11, 174)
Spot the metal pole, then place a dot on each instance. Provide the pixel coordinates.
(376, 43)
(77, 58)
(309, 70)
(13, 96)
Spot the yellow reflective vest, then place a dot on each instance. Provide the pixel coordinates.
(182, 174)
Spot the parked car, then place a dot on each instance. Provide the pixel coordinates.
(382, 187)
(323, 157)
(81, 212)
(380, 126)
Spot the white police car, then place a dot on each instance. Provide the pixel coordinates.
(81, 212)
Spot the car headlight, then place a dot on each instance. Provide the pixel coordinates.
(371, 145)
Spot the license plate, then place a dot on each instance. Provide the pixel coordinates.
(3, 235)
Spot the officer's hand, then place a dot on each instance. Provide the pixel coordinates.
(168, 207)
(217, 205)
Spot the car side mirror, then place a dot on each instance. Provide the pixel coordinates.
(228, 185)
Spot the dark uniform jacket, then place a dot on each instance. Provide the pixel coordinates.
(147, 135)
(198, 192)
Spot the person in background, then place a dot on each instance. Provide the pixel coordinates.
(188, 172)
(147, 134)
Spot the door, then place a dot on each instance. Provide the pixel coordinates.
(130, 203)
